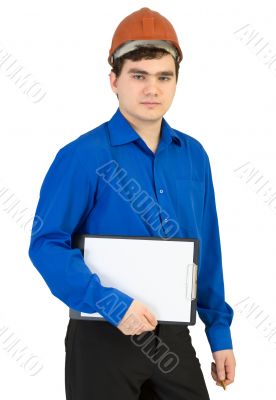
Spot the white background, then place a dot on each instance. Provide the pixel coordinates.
(225, 99)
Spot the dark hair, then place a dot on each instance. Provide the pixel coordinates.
(142, 52)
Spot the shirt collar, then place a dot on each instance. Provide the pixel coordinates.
(121, 132)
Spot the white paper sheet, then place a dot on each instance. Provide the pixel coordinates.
(155, 272)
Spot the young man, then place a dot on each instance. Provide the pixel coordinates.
(87, 190)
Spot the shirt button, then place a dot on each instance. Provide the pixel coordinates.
(161, 191)
(166, 219)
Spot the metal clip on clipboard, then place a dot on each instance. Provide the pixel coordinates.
(191, 282)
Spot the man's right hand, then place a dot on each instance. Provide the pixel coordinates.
(137, 319)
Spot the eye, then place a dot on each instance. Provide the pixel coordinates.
(138, 76)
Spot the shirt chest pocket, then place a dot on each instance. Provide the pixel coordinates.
(189, 203)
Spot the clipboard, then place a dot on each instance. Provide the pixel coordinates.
(160, 273)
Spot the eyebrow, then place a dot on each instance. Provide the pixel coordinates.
(141, 71)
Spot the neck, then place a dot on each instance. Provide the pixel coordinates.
(150, 131)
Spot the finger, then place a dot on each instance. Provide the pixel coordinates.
(214, 368)
(134, 325)
(137, 323)
(147, 325)
(142, 329)
(230, 376)
(150, 317)
(127, 321)
(131, 322)
(220, 371)
(214, 375)
(230, 372)
(214, 372)
(130, 325)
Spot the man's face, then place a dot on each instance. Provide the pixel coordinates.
(143, 82)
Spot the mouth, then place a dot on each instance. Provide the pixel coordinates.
(151, 104)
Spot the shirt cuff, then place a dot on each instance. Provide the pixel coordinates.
(113, 304)
(219, 338)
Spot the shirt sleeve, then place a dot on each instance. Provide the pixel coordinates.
(216, 314)
(65, 200)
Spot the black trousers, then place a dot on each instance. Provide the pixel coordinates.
(101, 363)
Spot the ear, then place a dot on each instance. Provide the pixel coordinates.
(113, 81)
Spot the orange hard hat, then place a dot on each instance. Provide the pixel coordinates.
(144, 27)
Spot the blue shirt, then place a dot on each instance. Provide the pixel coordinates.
(109, 182)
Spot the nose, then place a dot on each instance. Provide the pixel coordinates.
(151, 88)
